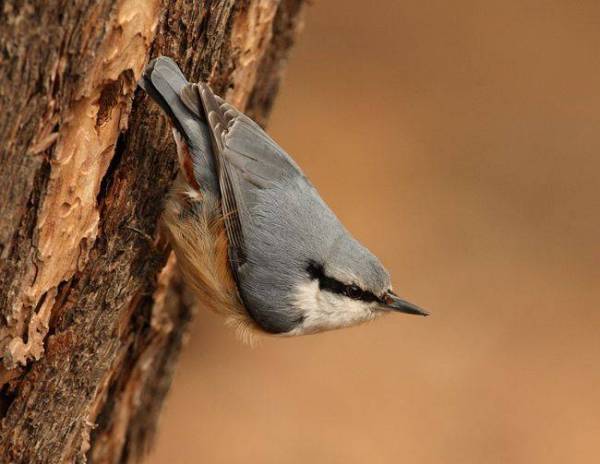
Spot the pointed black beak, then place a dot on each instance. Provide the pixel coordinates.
(392, 302)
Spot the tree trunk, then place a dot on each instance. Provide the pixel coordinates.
(92, 314)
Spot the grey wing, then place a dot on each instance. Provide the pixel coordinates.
(247, 160)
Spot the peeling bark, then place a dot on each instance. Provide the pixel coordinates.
(92, 311)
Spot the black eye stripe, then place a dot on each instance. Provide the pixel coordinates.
(332, 285)
(325, 283)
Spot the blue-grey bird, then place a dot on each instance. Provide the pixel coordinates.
(251, 234)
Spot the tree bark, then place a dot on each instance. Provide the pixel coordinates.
(92, 313)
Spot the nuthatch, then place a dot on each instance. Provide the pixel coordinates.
(251, 234)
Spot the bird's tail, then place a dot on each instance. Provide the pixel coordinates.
(164, 82)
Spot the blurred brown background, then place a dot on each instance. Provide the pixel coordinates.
(460, 142)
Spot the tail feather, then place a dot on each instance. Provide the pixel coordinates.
(164, 82)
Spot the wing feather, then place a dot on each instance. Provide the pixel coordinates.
(217, 124)
(247, 159)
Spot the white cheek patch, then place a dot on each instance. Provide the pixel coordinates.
(323, 310)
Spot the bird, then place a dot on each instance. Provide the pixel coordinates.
(252, 236)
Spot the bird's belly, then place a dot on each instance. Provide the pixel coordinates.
(194, 225)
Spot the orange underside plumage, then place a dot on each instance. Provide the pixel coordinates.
(197, 234)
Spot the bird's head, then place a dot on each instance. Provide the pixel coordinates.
(345, 288)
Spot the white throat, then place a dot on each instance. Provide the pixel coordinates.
(325, 310)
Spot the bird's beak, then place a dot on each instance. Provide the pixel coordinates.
(394, 303)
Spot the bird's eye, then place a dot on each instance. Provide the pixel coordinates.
(354, 292)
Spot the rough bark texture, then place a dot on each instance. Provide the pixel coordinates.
(92, 314)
